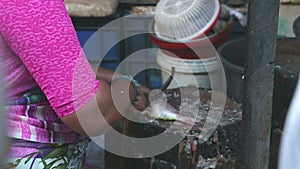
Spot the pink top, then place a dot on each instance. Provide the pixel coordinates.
(39, 48)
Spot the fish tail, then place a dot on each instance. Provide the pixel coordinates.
(187, 120)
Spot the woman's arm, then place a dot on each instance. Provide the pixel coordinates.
(106, 74)
(106, 107)
(102, 111)
(41, 33)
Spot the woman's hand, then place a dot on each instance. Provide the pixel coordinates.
(144, 100)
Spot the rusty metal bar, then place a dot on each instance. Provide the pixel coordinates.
(254, 144)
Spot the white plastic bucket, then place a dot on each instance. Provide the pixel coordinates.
(187, 71)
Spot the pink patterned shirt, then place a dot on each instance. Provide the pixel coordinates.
(39, 48)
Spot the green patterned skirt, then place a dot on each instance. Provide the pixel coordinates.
(46, 156)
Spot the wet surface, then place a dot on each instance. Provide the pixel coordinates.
(218, 151)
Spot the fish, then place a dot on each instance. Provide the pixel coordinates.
(163, 111)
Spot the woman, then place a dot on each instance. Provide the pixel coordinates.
(54, 97)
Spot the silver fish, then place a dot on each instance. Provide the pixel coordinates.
(164, 111)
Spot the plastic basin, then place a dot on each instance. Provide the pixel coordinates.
(204, 47)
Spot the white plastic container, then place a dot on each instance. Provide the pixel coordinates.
(188, 71)
(185, 20)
